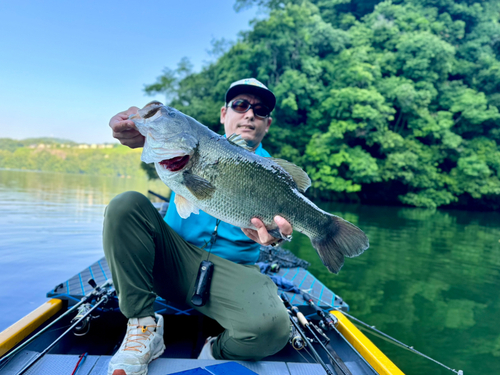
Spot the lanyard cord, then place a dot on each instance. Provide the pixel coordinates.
(213, 238)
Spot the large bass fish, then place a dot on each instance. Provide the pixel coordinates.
(222, 177)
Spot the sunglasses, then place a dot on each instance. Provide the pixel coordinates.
(242, 106)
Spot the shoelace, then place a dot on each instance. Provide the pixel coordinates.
(140, 336)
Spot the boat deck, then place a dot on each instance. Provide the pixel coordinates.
(56, 364)
(184, 337)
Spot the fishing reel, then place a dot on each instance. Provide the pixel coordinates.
(313, 337)
(83, 327)
(101, 295)
(327, 321)
(83, 316)
(319, 334)
(296, 340)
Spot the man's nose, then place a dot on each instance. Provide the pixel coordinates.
(249, 114)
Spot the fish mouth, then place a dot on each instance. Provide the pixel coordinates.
(175, 164)
(148, 111)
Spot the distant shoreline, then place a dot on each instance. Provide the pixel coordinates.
(70, 173)
(51, 155)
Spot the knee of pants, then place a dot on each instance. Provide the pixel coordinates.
(122, 217)
(269, 334)
(123, 204)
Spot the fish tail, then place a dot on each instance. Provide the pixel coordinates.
(340, 239)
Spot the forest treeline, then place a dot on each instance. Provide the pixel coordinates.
(57, 155)
(392, 102)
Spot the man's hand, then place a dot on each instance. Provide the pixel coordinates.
(262, 236)
(124, 129)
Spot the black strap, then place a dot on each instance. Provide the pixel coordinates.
(213, 238)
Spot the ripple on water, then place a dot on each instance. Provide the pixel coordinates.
(50, 229)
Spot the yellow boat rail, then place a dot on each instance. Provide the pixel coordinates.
(17, 332)
(372, 354)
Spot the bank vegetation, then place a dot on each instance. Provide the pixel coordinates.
(389, 102)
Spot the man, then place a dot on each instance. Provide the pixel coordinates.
(149, 256)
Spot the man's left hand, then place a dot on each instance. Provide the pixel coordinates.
(262, 236)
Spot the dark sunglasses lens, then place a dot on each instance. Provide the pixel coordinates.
(261, 110)
(240, 105)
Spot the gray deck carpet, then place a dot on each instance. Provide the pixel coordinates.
(59, 364)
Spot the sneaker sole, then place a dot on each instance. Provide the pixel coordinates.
(155, 356)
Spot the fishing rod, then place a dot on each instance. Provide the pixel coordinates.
(305, 340)
(158, 195)
(353, 348)
(301, 341)
(103, 299)
(327, 322)
(386, 336)
(302, 319)
(296, 339)
(87, 298)
(349, 344)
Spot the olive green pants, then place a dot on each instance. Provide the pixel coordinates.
(147, 258)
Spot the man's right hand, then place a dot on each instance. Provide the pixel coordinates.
(124, 129)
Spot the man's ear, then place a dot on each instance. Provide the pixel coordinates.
(223, 111)
(269, 120)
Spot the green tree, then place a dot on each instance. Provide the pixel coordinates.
(379, 101)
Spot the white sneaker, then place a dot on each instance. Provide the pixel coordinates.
(206, 351)
(143, 342)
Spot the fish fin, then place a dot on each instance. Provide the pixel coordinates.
(184, 207)
(237, 140)
(198, 186)
(341, 239)
(299, 176)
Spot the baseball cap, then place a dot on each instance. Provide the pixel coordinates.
(251, 86)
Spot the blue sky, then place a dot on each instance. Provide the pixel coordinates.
(66, 67)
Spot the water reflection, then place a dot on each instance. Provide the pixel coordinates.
(71, 188)
(430, 279)
(50, 229)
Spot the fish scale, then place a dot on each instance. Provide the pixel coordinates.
(224, 179)
(239, 174)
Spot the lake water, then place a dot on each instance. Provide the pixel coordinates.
(430, 278)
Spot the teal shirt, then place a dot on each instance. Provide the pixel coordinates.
(231, 244)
